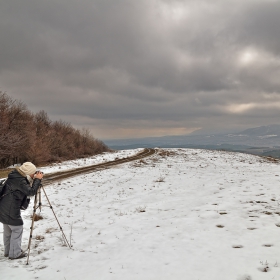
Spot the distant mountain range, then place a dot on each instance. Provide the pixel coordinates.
(263, 131)
(263, 140)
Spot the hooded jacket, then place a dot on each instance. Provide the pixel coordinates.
(18, 183)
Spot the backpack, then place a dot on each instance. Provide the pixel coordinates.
(25, 201)
(2, 185)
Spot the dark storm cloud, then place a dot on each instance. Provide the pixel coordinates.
(259, 26)
(125, 66)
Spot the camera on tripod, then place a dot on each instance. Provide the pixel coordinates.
(38, 174)
(38, 204)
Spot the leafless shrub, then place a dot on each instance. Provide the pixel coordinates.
(62, 241)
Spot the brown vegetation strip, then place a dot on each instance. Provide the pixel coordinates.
(23, 131)
(49, 178)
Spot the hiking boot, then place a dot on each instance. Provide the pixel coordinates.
(22, 255)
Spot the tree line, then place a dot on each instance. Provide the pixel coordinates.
(25, 136)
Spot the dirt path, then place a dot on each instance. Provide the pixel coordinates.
(50, 178)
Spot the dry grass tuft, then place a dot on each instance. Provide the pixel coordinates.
(237, 246)
(220, 226)
(141, 209)
(39, 237)
(50, 230)
(160, 179)
(139, 163)
(164, 153)
(271, 159)
(37, 217)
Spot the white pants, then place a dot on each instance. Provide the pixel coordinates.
(12, 240)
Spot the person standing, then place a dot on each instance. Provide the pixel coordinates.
(22, 182)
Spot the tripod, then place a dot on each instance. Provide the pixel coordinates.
(38, 204)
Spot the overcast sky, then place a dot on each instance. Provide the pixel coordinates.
(137, 68)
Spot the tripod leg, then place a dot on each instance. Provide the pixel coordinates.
(56, 218)
(40, 199)
(32, 225)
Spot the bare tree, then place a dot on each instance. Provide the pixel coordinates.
(22, 132)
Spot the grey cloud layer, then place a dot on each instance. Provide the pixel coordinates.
(143, 64)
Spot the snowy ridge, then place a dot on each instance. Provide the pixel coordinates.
(104, 157)
(267, 136)
(180, 214)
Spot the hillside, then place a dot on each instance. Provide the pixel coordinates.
(180, 214)
(263, 140)
(263, 131)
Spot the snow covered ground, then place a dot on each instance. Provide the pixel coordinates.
(179, 214)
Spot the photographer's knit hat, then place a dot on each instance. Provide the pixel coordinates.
(28, 168)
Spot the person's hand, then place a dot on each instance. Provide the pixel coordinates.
(39, 175)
